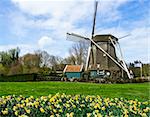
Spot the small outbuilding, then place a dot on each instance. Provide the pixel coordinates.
(73, 71)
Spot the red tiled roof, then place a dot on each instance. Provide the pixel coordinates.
(73, 68)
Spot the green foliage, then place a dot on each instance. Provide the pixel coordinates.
(129, 91)
(15, 69)
(3, 69)
(85, 75)
(5, 59)
(146, 69)
(14, 54)
(45, 71)
(9, 57)
(31, 60)
(136, 71)
(11, 64)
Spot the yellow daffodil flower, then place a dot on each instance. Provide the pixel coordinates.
(42, 110)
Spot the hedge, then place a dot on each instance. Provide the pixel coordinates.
(28, 77)
(18, 78)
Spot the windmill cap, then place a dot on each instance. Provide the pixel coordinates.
(105, 37)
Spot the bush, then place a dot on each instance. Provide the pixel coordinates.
(138, 80)
(48, 78)
(85, 76)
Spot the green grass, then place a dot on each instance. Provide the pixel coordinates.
(130, 91)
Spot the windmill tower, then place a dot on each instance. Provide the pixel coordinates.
(102, 59)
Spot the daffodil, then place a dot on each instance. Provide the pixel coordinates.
(27, 100)
(126, 115)
(23, 115)
(103, 108)
(52, 99)
(16, 113)
(146, 109)
(71, 114)
(96, 111)
(74, 106)
(99, 115)
(60, 110)
(54, 110)
(5, 112)
(96, 106)
(88, 114)
(144, 115)
(14, 108)
(68, 115)
(28, 111)
(52, 116)
(42, 110)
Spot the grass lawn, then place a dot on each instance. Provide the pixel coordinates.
(130, 91)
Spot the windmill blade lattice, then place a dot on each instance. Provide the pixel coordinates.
(76, 38)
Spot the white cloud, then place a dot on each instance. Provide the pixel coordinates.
(56, 8)
(70, 10)
(64, 15)
(33, 7)
(45, 41)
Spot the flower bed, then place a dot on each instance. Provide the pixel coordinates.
(71, 105)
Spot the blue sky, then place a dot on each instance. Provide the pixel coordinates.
(42, 24)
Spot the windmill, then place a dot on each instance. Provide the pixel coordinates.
(102, 59)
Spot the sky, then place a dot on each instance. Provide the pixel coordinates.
(42, 24)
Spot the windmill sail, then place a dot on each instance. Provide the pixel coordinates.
(94, 19)
(76, 38)
(90, 52)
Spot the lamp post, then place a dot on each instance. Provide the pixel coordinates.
(141, 68)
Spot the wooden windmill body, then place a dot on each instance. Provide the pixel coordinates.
(100, 60)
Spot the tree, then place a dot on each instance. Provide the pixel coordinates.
(78, 53)
(15, 69)
(14, 54)
(55, 61)
(70, 60)
(3, 69)
(5, 59)
(44, 58)
(31, 63)
(9, 61)
(146, 69)
(10, 57)
(49, 61)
